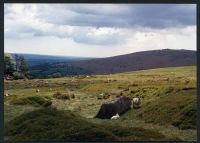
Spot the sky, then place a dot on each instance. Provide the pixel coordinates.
(98, 30)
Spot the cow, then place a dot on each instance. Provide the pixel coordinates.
(110, 108)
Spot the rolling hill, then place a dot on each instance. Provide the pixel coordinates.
(138, 61)
(66, 66)
(34, 59)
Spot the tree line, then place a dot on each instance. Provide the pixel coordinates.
(15, 68)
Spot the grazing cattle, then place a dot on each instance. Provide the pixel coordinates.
(115, 117)
(109, 109)
(136, 102)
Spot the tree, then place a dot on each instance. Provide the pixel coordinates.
(9, 65)
(23, 66)
(17, 62)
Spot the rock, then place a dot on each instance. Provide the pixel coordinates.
(52, 107)
(58, 95)
(72, 95)
(109, 109)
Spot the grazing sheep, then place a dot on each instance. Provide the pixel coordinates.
(115, 117)
(37, 90)
(50, 89)
(101, 94)
(136, 102)
(6, 94)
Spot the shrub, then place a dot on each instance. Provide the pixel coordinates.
(16, 75)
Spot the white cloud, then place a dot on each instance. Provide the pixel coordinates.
(85, 30)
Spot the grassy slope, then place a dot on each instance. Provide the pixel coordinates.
(46, 124)
(165, 102)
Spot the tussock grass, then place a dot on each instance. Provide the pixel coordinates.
(47, 124)
(177, 110)
(168, 105)
(33, 100)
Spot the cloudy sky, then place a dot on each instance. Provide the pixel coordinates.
(98, 30)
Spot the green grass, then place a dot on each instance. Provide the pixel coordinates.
(187, 118)
(32, 100)
(46, 124)
(168, 104)
(167, 110)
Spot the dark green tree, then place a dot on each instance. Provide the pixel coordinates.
(23, 67)
(9, 65)
(17, 62)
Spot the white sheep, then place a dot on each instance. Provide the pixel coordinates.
(136, 102)
(37, 90)
(115, 117)
(6, 94)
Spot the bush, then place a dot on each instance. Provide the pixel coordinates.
(16, 75)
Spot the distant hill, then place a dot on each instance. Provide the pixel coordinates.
(34, 59)
(138, 61)
(64, 66)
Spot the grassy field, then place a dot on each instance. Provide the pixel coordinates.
(168, 109)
